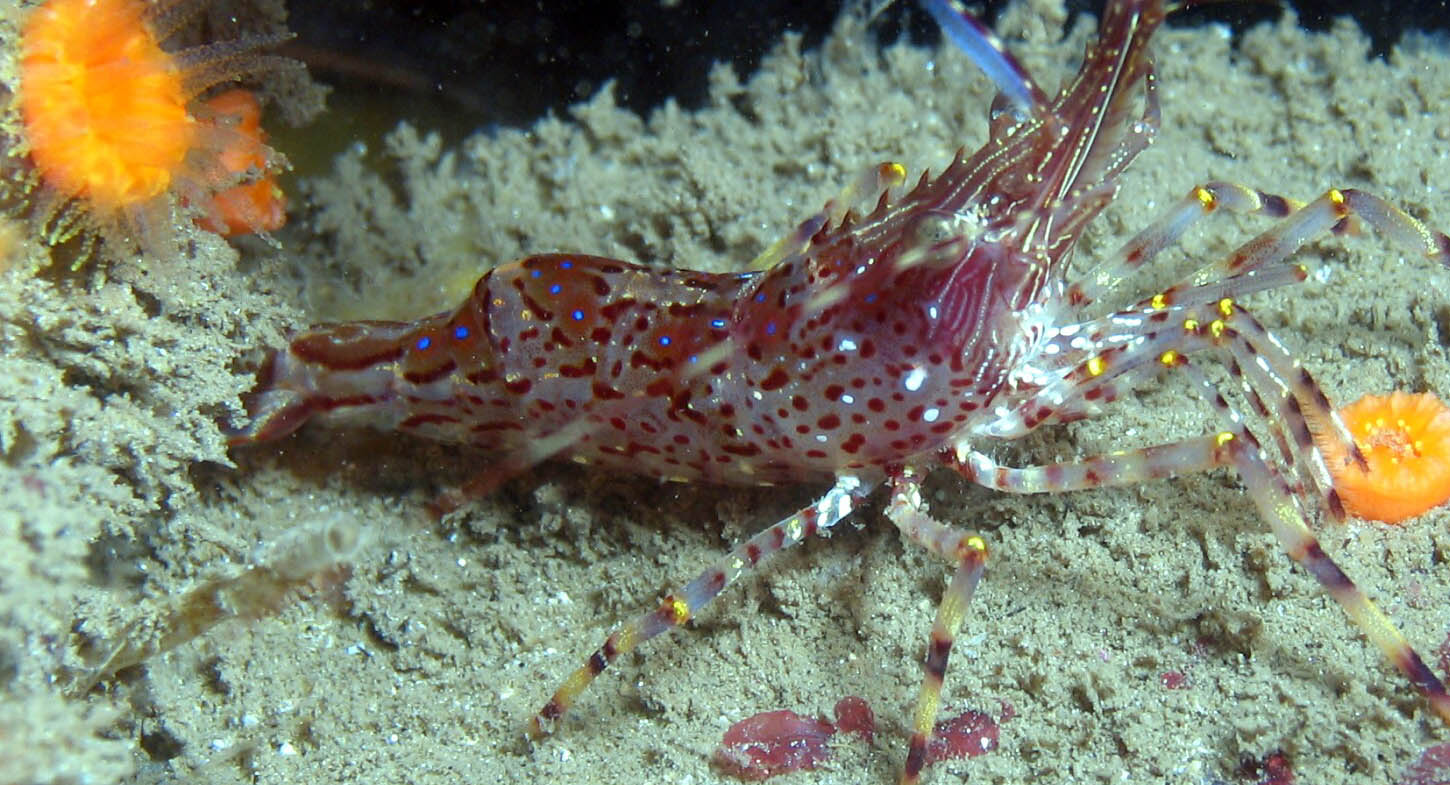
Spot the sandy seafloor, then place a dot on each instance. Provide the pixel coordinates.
(423, 664)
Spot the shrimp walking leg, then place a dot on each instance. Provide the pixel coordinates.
(1280, 505)
(680, 606)
(969, 553)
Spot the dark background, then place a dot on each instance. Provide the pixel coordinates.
(460, 65)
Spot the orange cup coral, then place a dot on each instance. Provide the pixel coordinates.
(1405, 439)
(257, 204)
(106, 118)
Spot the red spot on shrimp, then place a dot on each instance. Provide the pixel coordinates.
(776, 380)
(605, 392)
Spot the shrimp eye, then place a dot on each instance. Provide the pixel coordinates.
(935, 229)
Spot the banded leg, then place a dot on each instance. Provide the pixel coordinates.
(969, 553)
(679, 607)
(1278, 506)
(1116, 348)
(1326, 214)
(1125, 467)
(1263, 366)
(1331, 212)
(1260, 362)
(1083, 363)
(1302, 418)
(1202, 200)
(1277, 501)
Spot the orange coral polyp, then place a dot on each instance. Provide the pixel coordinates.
(104, 105)
(257, 205)
(1405, 440)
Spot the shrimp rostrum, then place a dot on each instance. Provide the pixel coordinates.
(901, 329)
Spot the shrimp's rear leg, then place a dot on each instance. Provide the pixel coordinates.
(680, 606)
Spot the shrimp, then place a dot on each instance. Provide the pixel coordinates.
(898, 330)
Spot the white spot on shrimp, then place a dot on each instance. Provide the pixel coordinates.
(914, 379)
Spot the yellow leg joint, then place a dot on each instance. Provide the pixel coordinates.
(679, 609)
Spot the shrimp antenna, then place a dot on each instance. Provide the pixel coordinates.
(987, 51)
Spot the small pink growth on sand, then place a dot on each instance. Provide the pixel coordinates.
(1433, 767)
(966, 735)
(853, 715)
(1201, 647)
(773, 742)
(1173, 680)
(1416, 596)
(1008, 711)
(1272, 769)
